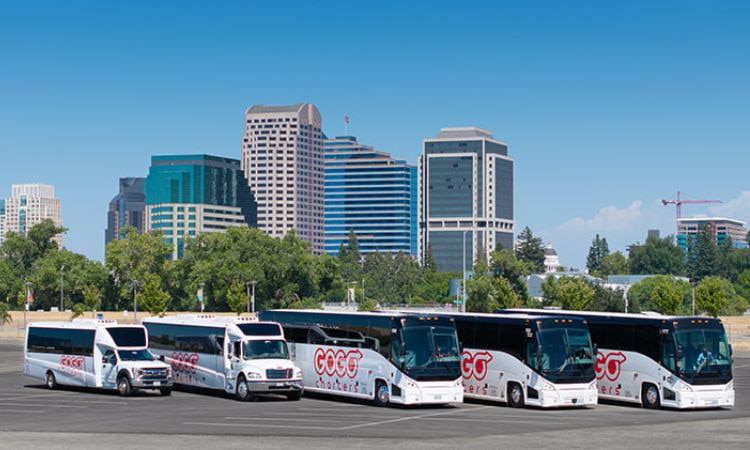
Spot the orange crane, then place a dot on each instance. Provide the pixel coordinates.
(678, 206)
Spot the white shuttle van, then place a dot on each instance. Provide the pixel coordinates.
(94, 353)
(239, 355)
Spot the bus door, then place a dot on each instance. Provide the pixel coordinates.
(109, 368)
(232, 358)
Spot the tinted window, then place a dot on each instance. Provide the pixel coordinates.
(61, 341)
(487, 335)
(259, 329)
(465, 329)
(513, 339)
(295, 334)
(128, 336)
(185, 338)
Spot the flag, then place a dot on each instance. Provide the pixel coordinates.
(346, 120)
(200, 295)
(29, 296)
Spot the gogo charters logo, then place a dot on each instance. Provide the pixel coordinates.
(337, 362)
(71, 364)
(184, 362)
(475, 365)
(609, 365)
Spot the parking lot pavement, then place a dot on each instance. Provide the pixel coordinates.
(24, 402)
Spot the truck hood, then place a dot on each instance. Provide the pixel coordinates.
(156, 364)
(265, 364)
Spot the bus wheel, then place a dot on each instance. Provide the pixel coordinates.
(124, 388)
(294, 396)
(382, 393)
(50, 380)
(166, 391)
(242, 392)
(650, 396)
(515, 395)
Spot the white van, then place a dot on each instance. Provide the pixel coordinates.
(239, 355)
(94, 353)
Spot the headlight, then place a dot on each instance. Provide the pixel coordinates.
(592, 385)
(729, 386)
(458, 383)
(684, 387)
(297, 373)
(254, 376)
(547, 387)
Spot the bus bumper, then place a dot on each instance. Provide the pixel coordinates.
(271, 386)
(426, 393)
(567, 396)
(703, 397)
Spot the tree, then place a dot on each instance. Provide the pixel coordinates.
(608, 300)
(134, 257)
(237, 297)
(597, 252)
(350, 258)
(667, 298)
(92, 297)
(613, 264)
(391, 279)
(573, 293)
(487, 293)
(152, 297)
(703, 256)
(504, 264)
(77, 310)
(657, 257)
(530, 249)
(429, 260)
(712, 295)
(42, 234)
(5, 317)
(367, 304)
(79, 273)
(661, 293)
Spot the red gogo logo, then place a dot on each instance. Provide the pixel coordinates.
(609, 365)
(337, 362)
(71, 363)
(476, 365)
(184, 362)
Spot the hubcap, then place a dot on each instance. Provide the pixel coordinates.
(515, 394)
(651, 395)
(50, 383)
(242, 389)
(383, 393)
(123, 386)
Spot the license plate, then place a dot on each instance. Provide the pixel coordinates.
(279, 385)
(157, 383)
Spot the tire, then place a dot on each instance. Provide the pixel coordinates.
(50, 381)
(242, 392)
(515, 395)
(294, 396)
(382, 393)
(650, 397)
(124, 387)
(166, 391)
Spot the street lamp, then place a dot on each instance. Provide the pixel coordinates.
(135, 302)
(201, 286)
(463, 267)
(62, 269)
(26, 308)
(252, 296)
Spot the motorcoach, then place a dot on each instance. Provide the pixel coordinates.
(94, 353)
(239, 355)
(656, 360)
(523, 359)
(387, 358)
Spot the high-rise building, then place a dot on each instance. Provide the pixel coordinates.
(2, 219)
(371, 194)
(466, 197)
(127, 208)
(30, 204)
(191, 194)
(282, 156)
(721, 229)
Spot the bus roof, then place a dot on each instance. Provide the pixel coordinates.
(518, 316)
(201, 319)
(82, 324)
(354, 313)
(562, 312)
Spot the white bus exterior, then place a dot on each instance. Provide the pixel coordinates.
(522, 359)
(660, 361)
(239, 355)
(93, 353)
(387, 358)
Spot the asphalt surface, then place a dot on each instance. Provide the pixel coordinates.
(34, 417)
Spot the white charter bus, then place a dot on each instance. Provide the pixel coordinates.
(522, 359)
(655, 360)
(388, 358)
(93, 353)
(239, 355)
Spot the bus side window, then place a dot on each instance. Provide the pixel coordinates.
(314, 337)
(237, 352)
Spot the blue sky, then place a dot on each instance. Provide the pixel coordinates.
(607, 106)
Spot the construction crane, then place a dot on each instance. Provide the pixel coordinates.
(678, 206)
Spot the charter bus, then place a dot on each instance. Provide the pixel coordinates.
(387, 358)
(93, 353)
(239, 355)
(656, 360)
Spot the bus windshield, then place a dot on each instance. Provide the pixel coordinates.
(135, 355)
(430, 353)
(271, 349)
(703, 353)
(566, 355)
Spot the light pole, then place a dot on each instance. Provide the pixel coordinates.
(27, 306)
(463, 267)
(252, 297)
(62, 269)
(201, 286)
(135, 302)
(363, 290)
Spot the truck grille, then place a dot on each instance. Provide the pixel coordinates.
(154, 374)
(278, 374)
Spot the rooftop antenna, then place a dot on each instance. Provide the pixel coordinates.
(346, 125)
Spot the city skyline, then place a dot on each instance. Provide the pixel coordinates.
(630, 103)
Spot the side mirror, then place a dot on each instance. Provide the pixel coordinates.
(460, 347)
(105, 360)
(161, 358)
(596, 351)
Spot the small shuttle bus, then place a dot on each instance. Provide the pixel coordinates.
(525, 359)
(388, 358)
(239, 355)
(94, 353)
(656, 360)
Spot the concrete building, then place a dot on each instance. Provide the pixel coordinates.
(720, 228)
(191, 194)
(30, 204)
(2, 219)
(466, 191)
(127, 208)
(371, 194)
(283, 160)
